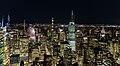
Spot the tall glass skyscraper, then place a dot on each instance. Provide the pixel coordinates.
(71, 34)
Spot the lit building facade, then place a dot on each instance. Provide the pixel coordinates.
(4, 46)
(2, 55)
(31, 33)
(7, 49)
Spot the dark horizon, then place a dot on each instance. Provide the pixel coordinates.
(41, 11)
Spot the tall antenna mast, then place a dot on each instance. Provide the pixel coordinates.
(24, 24)
(72, 16)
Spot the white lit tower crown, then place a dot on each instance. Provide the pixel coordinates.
(71, 33)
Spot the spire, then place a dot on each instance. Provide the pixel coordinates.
(2, 22)
(24, 24)
(72, 16)
(8, 20)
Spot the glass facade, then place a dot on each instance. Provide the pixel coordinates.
(72, 45)
(71, 27)
(71, 36)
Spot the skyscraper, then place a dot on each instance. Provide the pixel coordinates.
(71, 33)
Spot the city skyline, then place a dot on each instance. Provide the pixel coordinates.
(59, 33)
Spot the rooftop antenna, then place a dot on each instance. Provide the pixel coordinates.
(24, 24)
(72, 16)
(8, 20)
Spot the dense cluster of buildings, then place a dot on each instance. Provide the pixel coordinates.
(59, 45)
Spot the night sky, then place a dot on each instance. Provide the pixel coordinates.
(41, 11)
